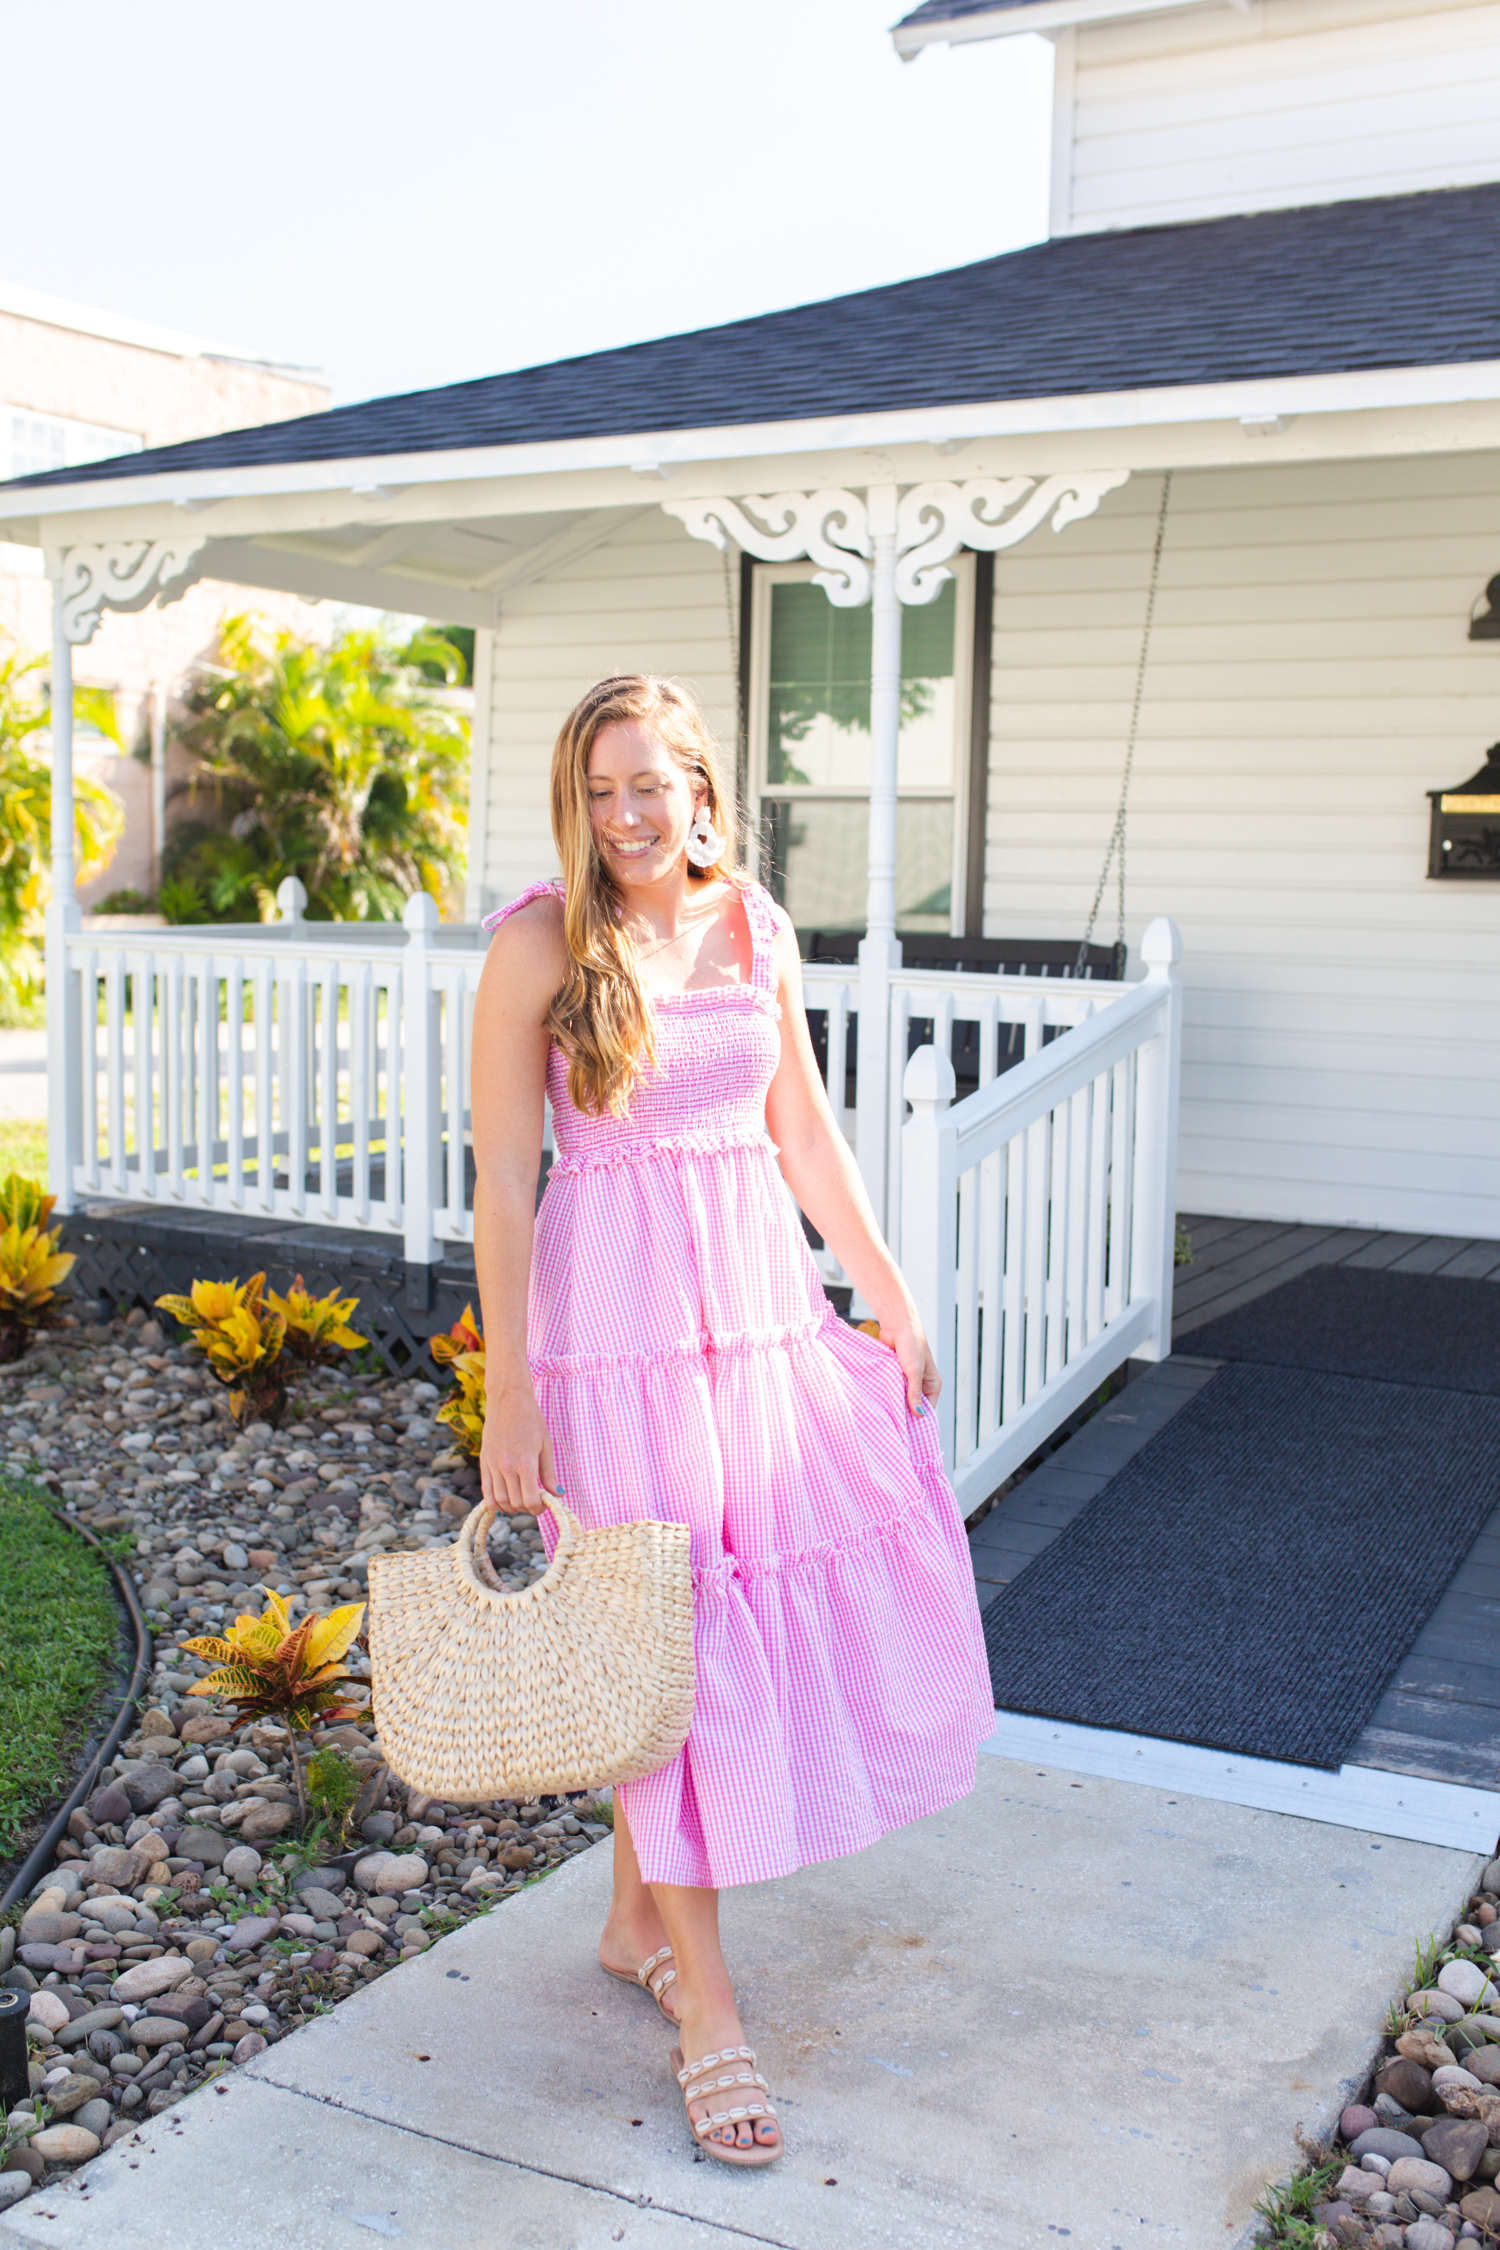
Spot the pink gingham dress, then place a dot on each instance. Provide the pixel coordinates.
(690, 1368)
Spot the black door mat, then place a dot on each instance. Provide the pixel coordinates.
(1353, 1320)
(1252, 1578)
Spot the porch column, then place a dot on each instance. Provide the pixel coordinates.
(880, 948)
(64, 1061)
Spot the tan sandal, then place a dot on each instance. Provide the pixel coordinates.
(709, 2076)
(649, 1983)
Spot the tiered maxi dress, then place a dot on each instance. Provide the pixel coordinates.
(690, 1368)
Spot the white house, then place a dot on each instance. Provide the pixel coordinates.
(1249, 390)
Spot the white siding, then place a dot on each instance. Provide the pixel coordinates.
(651, 599)
(1197, 115)
(1309, 679)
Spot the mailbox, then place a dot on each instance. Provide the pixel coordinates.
(1465, 840)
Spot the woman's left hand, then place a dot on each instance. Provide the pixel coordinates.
(923, 1382)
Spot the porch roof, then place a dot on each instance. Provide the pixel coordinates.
(1387, 283)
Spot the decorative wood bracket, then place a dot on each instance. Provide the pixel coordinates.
(831, 528)
(123, 574)
(933, 521)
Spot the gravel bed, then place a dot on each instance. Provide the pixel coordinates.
(179, 1932)
(1416, 2164)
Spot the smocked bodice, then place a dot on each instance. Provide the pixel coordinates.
(716, 1053)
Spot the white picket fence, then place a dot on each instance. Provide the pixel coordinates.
(320, 1072)
(1038, 1220)
(300, 1070)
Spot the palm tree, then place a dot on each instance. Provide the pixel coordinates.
(341, 764)
(26, 815)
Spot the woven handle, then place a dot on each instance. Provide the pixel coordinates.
(473, 1546)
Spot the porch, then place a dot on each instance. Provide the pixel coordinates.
(1425, 1764)
(298, 1096)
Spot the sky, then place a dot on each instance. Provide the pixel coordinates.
(404, 197)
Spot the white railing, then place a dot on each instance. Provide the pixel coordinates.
(1038, 1219)
(300, 1070)
(1007, 1019)
(319, 1072)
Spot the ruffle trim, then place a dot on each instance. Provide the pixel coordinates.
(666, 1146)
(718, 1577)
(703, 1347)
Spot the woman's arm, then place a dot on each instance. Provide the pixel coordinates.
(525, 965)
(818, 1166)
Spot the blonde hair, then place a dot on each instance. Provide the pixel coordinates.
(601, 1016)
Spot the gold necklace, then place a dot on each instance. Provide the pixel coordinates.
(649, 953)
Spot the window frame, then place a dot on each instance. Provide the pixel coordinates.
(958, 792)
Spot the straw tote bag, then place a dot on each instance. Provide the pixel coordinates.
(582, 1678)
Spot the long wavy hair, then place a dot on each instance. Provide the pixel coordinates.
(601, 1016)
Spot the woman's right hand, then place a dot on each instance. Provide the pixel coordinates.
(515, 1459)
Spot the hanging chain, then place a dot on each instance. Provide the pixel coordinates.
(1115, 850)
(732, 612)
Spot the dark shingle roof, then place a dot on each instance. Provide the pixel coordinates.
(1394, 281)
(947, 11)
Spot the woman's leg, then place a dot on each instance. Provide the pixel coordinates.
(706, 2008)
(634, 1929)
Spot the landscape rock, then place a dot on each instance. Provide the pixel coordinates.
(110, 1806)
(1407, 2083)
(242, 1865)
(323, 1905)
(26, 2160)
(1482, 2205)
(250, 2045)
(113, 1863)
(1414, 2174)
(1434, 2003)
(71, 2093)
(157, 2031)
(252, 1931)
(82, 2028)
(14, 2188)
(146, 1789)
(1457, 2144)
(95, 2117)
(407, 1871)
(263, 1821)
(65, 2144)
(46, 2009)
(1428, 2234)
(1467, 1984)
(1381, 2140)
(146, 1979)
(1425, 2047)
(209, 1845)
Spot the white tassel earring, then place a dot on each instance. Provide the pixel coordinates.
(705, 846)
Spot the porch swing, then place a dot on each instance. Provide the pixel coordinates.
(1041, 957)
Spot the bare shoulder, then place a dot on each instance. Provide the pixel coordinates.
(784, 947)
(528, 953)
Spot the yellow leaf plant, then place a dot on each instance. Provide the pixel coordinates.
(241, 1336)
(31, 1265)
(316, 1327)
(462, 1350)
(270, 1669)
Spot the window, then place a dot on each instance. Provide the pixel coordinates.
(810, 751)
(31, 443)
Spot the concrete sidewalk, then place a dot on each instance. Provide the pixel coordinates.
(1066, 2008)
(23, 1073)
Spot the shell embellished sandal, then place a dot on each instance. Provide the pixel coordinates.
(654, 1976)
(730, 2082)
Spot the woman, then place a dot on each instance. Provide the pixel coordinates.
(679, 1360)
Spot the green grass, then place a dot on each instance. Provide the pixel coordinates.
(23, 1146)
(58, 1631)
